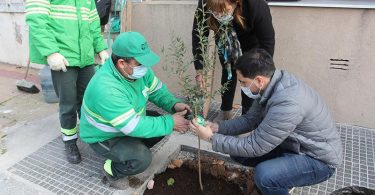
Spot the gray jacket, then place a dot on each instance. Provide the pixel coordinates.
(290, 114)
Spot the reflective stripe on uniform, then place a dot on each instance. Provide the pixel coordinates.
(128, 128)
(93, 15)
(85, 13)
(100, 126)
(67, 138)
(122, 118)
(69, 132)
(116, 121)
(157, 87)
(37, 5)
(154, 84)
(37, 2)
(83, 9)
(131, 125)
(108, 167)
(63, 16)
(141, 112)
(37, 10)
(93, 12)
(93, 19)
(67, 8)
(93, 113)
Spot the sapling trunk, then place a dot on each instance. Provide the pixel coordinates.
(199, 153)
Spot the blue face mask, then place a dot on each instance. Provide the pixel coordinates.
(138, 72)
(224, 19)
(250, 94)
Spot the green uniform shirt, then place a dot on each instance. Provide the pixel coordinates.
(68, 27)
(114, 107)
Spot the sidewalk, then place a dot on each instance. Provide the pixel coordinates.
(34, 162)
(24, 119)
(17, 106)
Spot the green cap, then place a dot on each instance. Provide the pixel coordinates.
(134, 45)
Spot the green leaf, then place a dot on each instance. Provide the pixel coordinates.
(170, 182)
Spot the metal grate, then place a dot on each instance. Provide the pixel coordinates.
(47, 167)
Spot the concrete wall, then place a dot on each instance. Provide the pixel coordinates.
(13, 39)
(158, 21)
(306, 40)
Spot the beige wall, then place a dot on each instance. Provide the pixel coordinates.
(306, 40)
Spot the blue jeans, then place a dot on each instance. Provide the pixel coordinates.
(277, 171)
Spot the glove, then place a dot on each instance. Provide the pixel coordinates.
(103, 56)
(57, 62)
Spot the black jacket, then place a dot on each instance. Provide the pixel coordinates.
(259, 32)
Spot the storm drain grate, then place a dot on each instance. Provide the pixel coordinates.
(48, 168)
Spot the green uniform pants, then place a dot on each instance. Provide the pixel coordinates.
(70, 87)
(126, 155)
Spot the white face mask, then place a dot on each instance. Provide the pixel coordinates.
(250, 94)
(138, 72)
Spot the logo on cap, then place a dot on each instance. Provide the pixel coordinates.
(144, 46)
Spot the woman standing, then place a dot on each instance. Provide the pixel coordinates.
(239, 25)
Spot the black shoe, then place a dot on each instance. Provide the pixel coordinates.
(117, 183)
(72, 153)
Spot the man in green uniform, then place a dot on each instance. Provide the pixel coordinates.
(114, 120)
(65, 34)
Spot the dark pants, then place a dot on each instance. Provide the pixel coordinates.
(70, 87)
(228, 96)
(129, 155)
(278, 171)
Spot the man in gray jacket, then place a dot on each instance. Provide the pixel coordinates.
(293, 139)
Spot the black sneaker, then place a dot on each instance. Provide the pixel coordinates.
(72, 153)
